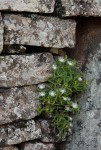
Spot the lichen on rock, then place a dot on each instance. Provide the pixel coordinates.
(39, 31)
(18, 103)
(39, 6)
(19, 132)
(19, 70)
(1, 33)
(81, 7)
(38, 146)
(87, 125)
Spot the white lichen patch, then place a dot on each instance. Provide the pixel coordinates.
(17, 111)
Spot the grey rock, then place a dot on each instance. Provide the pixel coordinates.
(87, 125)
(49, 133)
(38, 146)
(41, 6)
(19, 70)
(23, 131)
(39, 31)
(84, 7)
(18, 103)
(1, 33)
(9, 148)
(19, 132)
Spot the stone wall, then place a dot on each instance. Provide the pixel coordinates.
(32, 33)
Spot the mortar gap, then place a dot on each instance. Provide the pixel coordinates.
(29, 49)
(27, 14)
(22, 49)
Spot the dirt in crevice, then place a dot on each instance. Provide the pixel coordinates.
(88, 38)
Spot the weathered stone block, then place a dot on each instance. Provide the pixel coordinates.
(49, 133)
(42, 6)
(23, 131)
(19, 70)
(19, 132)
(39, 31)
(18, 103)
(9, 148)
(1, 33)
(84, 7)
(38, 146)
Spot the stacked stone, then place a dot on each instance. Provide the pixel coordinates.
(21, 72)
(33, 23)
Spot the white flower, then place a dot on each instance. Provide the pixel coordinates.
(75, 105)
(42, 94)
(52, 93)
(41, 86)
(70, 63)
(64, 98)
(69, 98)
(79, 79)
(67, 108)
(54, 67)
(69, 130)
(61, 59)
(71, 125)
(70, 118)
(62, 90)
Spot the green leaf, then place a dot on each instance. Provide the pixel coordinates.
(65, 76)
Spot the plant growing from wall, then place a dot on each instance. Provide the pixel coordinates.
(57, 95)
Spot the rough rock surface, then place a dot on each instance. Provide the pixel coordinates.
(24, 131)
(19, 70)
(81, 7)
(9, 148)
(1, 33)
(18, 103)
(48, 132)
(42, 6)
(39, 31)
(19, 132)
(87, 125)
(38, 146)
